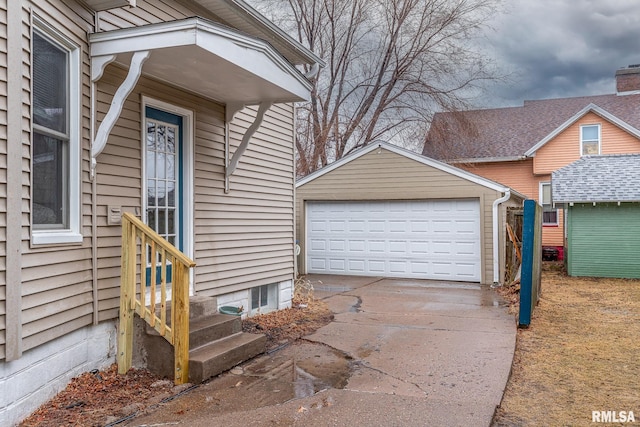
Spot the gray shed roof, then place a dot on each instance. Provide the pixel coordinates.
(612, 178)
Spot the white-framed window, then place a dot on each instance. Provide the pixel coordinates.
(589, 140)
(549, 214)
(55, 137)
(264, 298)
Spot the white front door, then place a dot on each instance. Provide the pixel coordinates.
(425, 239)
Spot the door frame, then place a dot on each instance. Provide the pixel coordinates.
(187, 219)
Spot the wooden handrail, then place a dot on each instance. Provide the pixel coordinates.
(139, 241)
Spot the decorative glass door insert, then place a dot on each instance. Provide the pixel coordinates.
(163, 176)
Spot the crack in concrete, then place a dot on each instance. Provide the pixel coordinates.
(380, 371)
(362, 363)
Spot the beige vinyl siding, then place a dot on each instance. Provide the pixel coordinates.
(118, 175)
(565, 148)
(148, 12)
(389, 176)
(243, 238)
(56, 281)
(3, 174)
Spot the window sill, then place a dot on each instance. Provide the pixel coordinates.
(550, 225)
(63, 237)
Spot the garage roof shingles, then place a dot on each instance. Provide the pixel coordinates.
(611, 178)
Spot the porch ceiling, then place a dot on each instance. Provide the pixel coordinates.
(205, 58)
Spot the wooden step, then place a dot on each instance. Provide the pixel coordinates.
(219, 356)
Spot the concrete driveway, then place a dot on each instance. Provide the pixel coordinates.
(421, 353)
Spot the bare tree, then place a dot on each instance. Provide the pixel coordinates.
(390, 65)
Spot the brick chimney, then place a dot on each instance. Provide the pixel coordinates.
(628, 79)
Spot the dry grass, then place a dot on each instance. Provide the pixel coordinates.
(580, 354)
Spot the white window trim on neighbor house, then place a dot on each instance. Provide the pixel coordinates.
(598, 141)
(548, 206)
(71, 233)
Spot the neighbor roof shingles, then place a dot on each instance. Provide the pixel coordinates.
(612, 178)
(509, 132)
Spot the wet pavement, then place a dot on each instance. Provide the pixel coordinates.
(398, 353)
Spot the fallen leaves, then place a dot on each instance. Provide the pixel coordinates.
(93, 398)
(291, 323)
(98, 398)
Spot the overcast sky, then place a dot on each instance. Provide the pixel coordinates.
(562, 48)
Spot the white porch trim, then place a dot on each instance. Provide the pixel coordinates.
(198, 56)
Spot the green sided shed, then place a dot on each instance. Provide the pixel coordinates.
(601, 198)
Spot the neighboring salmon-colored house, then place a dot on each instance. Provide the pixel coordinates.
(521, 146)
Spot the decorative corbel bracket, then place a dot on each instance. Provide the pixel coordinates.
(230, 166)
(98, 65)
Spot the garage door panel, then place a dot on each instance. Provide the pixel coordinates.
(398, 226)
(377, 266)
(337, 226)
(418, 248)
(356, 245)
(337, 265)
(465, 271)
(376, 226)
(377, 246)
(337, 245)
(318, 226)
(398, 247)
(441, 248)
(356, 226)
(357, 266)
(419, 268)
(318, 245)
(421, 239)
(317, 264)
(466, 248)
(398, 267)
(419, 226)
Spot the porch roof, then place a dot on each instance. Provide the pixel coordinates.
(199, 56)
(204, 58)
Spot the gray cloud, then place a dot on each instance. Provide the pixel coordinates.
(561, 48)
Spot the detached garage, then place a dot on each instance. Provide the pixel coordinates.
(601, 197)
(385, 211)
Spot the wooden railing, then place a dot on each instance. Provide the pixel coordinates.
(146, 255)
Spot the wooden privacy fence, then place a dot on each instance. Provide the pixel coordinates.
(531, 261)
(513, 243)
(149, 262)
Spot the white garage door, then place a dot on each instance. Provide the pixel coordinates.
(426, 239)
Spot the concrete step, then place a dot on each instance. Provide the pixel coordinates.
(214, 358)
(199, 307)
(208, 329)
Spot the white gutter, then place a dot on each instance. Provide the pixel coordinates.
(496, 236)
